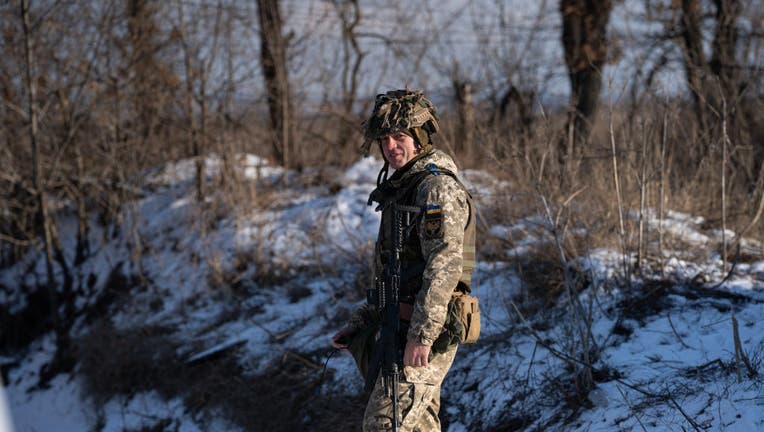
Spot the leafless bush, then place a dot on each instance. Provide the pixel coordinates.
(757, 358)
(543, 277)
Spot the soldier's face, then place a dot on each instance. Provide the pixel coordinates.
(398, 149)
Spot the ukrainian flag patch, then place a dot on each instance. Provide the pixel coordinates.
(431, 209)
(433, 222)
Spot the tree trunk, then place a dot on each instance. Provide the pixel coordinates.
(37, 180)
(710, 80)
(466, 113)
(70, 125)
(51, 244)
(201, 150)
(273, 62)
(83, 226)
(226, 147)
(694, 58)
(193, 128)
(716, 83)
(147, 83)
(723, 60)
(350, 15)
(584, 38)
(114, 210)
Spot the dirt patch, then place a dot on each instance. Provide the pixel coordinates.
(125, 361)
(18, 329)
(117, 287)
(544, 281)
(514, 423)
(284, 397)
(646, 300)
(654, 297)
(335, 413)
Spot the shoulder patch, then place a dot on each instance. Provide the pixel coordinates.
(433, 222)
(432, 209)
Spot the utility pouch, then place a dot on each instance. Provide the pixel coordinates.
(468, 314)
(462, 324)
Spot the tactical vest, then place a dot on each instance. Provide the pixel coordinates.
(403, 192)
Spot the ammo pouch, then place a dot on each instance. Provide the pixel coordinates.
(468, 313)
(462, 324)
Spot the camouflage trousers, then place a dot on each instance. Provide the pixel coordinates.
(418, 399)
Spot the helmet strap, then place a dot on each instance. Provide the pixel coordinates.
(382, 176)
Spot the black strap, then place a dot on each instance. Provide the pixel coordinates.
(385, 188)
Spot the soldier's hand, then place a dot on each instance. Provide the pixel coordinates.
(416, 354)
(342, 338)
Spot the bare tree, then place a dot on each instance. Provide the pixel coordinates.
(273, 46)
(723, 66)
(349, 12)
(17, 208)
(38, 183)
(197, 72)
(144, 44)
(465, 110)
(717, 83)
(584, 39)
(520, 103)
(75, 107)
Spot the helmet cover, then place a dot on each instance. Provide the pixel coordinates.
(399, 110)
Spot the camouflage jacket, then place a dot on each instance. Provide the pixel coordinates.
(437, 256)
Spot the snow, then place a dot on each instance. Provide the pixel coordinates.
(5, 416)
(303, 253)
(59, 407)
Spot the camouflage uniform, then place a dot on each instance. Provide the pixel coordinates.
(434, 264)
(437, 258)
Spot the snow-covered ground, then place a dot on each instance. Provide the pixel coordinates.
(276, 277)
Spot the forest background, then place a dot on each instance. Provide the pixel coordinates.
(95, 92)
(596, 106)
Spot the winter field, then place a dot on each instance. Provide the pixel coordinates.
(221, 320)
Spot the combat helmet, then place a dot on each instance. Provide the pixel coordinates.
(400, 110)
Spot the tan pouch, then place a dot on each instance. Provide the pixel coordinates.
(468, 311)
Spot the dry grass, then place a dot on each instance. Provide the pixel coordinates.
(662, 164)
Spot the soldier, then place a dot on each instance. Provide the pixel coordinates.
(437, 257)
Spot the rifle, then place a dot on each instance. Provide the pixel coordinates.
(387, 354)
